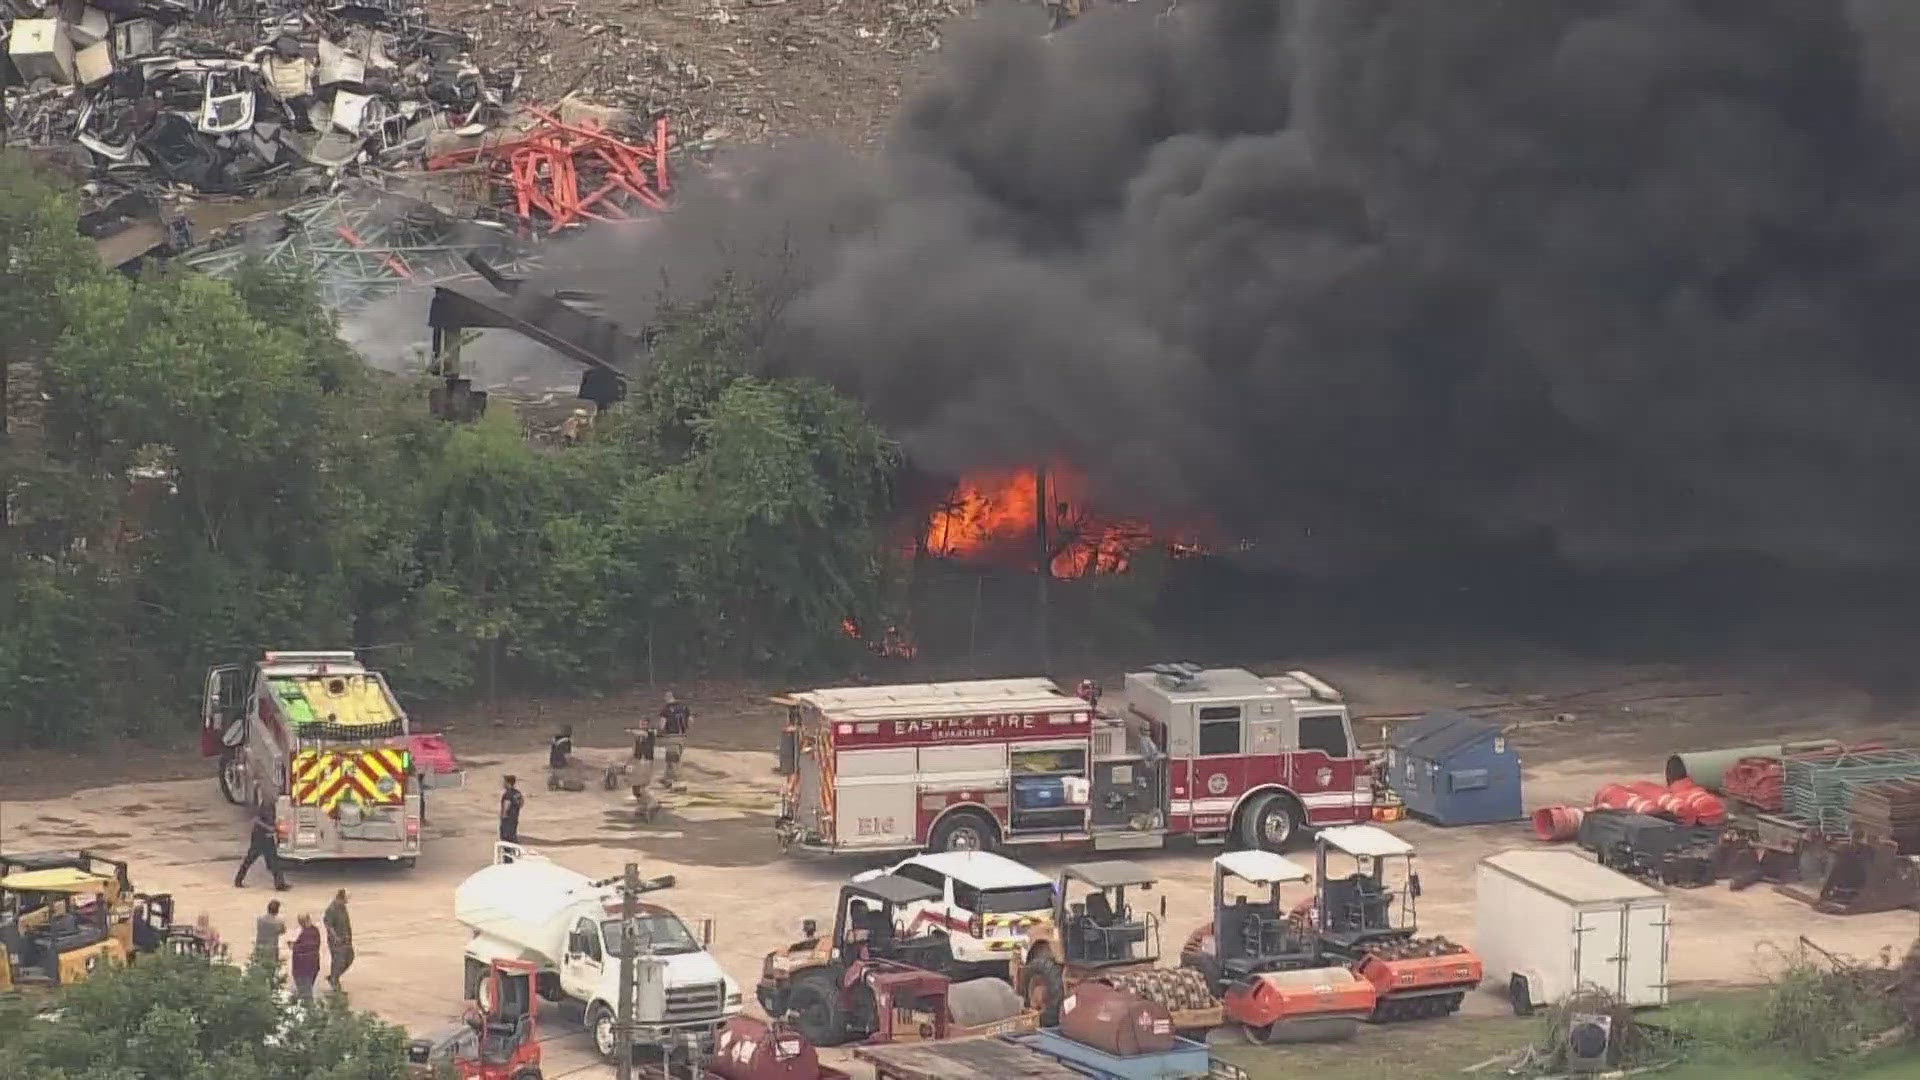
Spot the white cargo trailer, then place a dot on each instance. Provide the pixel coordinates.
(1552, 922)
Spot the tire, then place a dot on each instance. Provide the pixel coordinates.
(963, 830)
(1520, 995)
(1043, 987)
(409, 862)
(483, 995)
(600, 1026)
(476, 974)
(528, 1073)
(815, 1010)
(1272, 822)
(231, 775)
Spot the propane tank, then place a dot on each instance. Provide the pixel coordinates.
(1094, 1014)
(749, 1049)
(978, 1002)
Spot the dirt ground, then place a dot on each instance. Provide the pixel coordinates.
(1614, 721)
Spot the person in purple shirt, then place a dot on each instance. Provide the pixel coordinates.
(305, 953)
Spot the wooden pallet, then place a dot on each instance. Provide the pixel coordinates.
(1889, 810)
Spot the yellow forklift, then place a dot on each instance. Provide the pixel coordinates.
(65, 914)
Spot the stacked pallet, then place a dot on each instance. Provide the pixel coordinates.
(1889, 810)
(1820, 790)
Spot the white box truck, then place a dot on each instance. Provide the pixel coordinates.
(526, 907)
(1552, 922)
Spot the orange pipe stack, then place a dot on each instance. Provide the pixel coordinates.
(1683, 801)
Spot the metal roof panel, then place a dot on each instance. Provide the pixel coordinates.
(1261, 867)
(1364, 840)
(1111, 874)
(894, 889)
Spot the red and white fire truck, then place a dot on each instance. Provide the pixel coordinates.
(323, 740)
(1212, 753)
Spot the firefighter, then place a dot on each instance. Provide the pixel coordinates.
(510, 803)
(1089, 692)
(560, 749)
(643, 747)
(675, 719)
(260, 845)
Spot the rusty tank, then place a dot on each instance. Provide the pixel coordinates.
(1122, 1024)
(749, 1049)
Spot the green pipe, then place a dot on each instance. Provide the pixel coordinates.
(1709, 767)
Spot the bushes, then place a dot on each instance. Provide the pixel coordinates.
(1815, 1014)
(172, 1017)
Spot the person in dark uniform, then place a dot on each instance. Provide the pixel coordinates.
(560, 749)
(510, 803)
(642, 770)
(260, 845)
(675, 719)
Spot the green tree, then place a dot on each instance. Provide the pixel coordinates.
(206, 471)
(186, 1018)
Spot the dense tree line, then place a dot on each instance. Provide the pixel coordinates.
(194, 470)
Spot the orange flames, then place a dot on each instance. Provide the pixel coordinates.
(993, 513)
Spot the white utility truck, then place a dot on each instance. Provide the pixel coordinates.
(1553, 922)
(526, 907)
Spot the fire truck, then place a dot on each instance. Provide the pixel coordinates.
(1216, 754)
(323, 740)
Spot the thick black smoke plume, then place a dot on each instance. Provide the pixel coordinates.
(1638, 277)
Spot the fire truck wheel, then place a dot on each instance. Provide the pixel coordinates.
(230, 775)
(962, 831)
(1271, 823)
(528, 1073)
(1042, 986)
(815, 1010)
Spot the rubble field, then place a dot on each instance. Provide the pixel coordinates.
(1578, 724)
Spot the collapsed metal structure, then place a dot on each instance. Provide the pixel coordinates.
(602, 346)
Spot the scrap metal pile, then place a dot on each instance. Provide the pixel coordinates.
(358, 244)
(227, 96)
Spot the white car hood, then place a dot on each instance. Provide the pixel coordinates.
(692, 969)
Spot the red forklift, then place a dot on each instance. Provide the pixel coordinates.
(497, 1041)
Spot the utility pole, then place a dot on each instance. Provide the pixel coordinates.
(1045, 557)
(629, 939)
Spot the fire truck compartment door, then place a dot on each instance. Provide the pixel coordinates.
(875, 794)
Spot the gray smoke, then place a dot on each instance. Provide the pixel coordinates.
(1638, 277)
